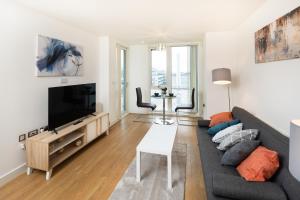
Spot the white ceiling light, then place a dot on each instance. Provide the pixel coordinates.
(161, 46)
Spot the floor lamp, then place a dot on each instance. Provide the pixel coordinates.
(222, 76)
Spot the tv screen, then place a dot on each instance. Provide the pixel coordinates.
(69, 103)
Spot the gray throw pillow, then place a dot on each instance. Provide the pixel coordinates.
(236, 154)
(236, 137)
(235, 187)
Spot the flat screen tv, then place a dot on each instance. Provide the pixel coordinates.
(70, 103)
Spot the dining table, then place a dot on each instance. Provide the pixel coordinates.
(164, 120)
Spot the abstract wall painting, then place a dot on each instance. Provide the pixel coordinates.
(58, 58)
(279, 40)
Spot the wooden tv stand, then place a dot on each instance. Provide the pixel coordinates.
(47, 150)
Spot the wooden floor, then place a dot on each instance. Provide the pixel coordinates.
(94, 171)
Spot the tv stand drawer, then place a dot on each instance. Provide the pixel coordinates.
(91, 131)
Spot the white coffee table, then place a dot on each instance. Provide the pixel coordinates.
(158, 140)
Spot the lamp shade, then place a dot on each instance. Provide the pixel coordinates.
(294, 161)
(221, 76)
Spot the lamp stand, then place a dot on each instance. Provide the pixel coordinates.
(229, 106)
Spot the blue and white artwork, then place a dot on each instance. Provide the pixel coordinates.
(58, 58)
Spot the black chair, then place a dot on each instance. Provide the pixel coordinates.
(187, 106)
(140, 103)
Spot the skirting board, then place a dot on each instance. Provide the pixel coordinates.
(114, 122)
(5, 178)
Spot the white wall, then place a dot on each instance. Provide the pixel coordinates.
(219, 52)
(109, 78)
(138, 76)
(115, 83)
(269, 90)
(23, 101)
(104, 65)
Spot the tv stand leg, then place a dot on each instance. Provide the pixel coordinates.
(29, 171)
(55, 131)
(93, 114)
(48, 174)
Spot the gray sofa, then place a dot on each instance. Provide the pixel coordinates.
(269, 137)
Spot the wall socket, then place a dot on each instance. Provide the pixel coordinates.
(22, 137)
(32, 133)
(23, 146)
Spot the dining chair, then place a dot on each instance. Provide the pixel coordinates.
(190, 106)
(141, 104)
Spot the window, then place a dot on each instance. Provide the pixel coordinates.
(123, 81)
(179, 75)
(159, 68)
(159, 74)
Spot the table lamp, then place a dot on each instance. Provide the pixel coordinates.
(294, 161)
(222, 76)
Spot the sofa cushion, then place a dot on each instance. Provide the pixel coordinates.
(220, 118)
(239, 152)
(215, 129)
(290, 185)
(234, 187)
(236, 137)
(260, 165)
(210, 160)
(203, 123)
(227, 131)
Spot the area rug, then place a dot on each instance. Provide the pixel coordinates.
(153, 183)
(187, 123)
(184, 121)
(144, 119)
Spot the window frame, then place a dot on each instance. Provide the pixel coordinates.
(197, 109)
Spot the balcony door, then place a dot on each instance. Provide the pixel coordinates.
(123, 81)
(176, 68)
(159, 75)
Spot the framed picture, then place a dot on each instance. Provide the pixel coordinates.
(279, 40)
(58, 58)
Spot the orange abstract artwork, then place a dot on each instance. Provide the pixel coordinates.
(279, 40)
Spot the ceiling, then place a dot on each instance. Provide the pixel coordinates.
(148, 21)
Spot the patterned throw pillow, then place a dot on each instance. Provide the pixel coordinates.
(236, 137)
(227, 131)
(215, 129)
(236, 154)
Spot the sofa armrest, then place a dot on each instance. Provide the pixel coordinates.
(235, 187)
(203, 123)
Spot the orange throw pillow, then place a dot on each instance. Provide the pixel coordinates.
(260, 165)
(220, 118)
